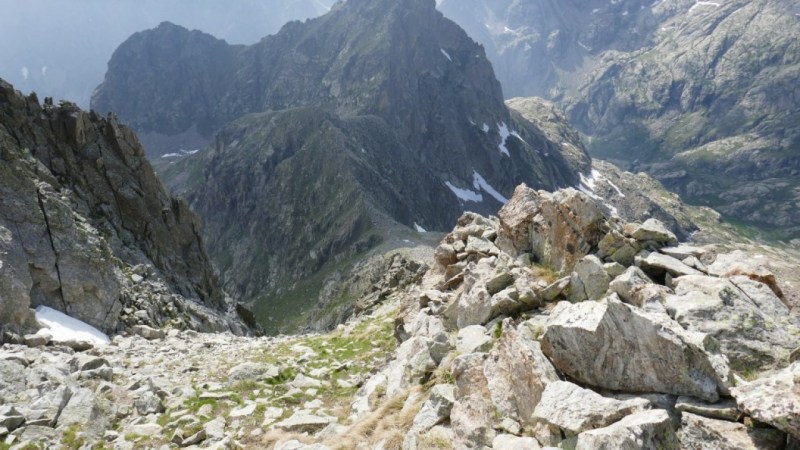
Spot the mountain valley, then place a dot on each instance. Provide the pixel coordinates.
(369, 231)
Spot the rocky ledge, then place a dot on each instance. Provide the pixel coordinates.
(552, 325)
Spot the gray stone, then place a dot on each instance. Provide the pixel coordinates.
(724, 409)
(473, 338)
(297, 445)
(436, 409)
(411, 365)
(40, 339)
(614, 269)
(614, 346)
(249, 371)
(754, 332)
(149, 403)
(302, 422)
(194, 439)
(86, 409)
(558, 229)
(11, 419)
(683, 251)
(575, 410)
(148, 333)
(516, 373)
(594, 279)
(774, 399)
(653, 230)
(511, 442)
(740, 263)
(699, 432)
(659, 265)
(626, 284)
(473, 413)
(47, 408)
(215, 429)
(498, 282)
(643, 430)
(245, 411)
(478, 245)
(80, 363)
(554, 290)
(12, 379)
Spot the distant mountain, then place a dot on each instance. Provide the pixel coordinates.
(87, 228)
(329, 135)
(67, 54)
(702, 95)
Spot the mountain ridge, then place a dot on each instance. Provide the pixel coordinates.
(400, 109)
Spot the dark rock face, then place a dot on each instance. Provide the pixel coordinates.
(80, 205)
(339, 128)
(698, 94)
(400, 61)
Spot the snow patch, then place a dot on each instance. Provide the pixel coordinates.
(485, 128)
(66, 328)
(419, 228)
(505, 133)
(181, 153)
(587, 186)
(699, 4)
(478, 182)
(619, 191)
(465, 194)
(446, 55)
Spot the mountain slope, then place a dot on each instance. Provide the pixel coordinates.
(70, 68)
(340, 131)
(82, 212)
(699, 94)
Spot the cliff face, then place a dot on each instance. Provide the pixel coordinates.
(80, 208)
(330, 136)
(698, 94)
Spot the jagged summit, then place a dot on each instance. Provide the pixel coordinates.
(329, 134)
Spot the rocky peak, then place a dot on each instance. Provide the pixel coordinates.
(329, 135)
(81, 208)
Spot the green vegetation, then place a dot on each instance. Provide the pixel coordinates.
(72, 438)
(497, 332)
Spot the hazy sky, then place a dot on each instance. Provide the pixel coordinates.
(60, 48)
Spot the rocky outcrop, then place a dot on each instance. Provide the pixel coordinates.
(697, 431)
(773, 399)
(648, 429)
(585, 341)
(592, 372)
(557, 229)
(596, 374)
(84, 221)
